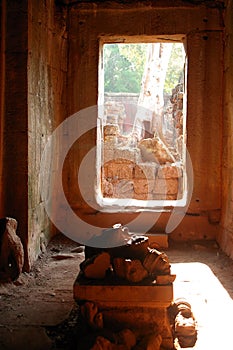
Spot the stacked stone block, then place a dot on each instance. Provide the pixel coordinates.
(125, 175)
(114, 113)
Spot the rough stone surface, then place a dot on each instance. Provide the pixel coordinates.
(39, 90)
(169, 172)
(127, 154)
(117, 171)
(11, 251)
(154, 150)
(46, 106)
(164, 187)
(143, 186)
(225, 236)
(145, 170)
(37, 311)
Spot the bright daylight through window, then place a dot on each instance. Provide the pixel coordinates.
(142, 107)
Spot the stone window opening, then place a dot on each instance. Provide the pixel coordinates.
(141, 138)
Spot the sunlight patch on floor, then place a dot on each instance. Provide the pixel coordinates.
(211, 304)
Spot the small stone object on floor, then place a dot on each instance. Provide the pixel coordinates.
(184, 323)
(11, 251)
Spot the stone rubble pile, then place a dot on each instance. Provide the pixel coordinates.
(123, 155)
(134, 261)
(146, 172)
(130, 260)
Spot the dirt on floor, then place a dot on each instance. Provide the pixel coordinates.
(38, 311)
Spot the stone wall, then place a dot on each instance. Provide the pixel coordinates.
(14, 142)
(127, 101)
(202, 30)
(33, 74)
(47, 68)
(138, 180)
(225, 237)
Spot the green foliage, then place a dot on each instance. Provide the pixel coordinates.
(175, 68)
(124, 66)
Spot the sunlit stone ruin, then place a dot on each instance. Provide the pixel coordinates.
(126, 297)
(148, 168)
(116, 175)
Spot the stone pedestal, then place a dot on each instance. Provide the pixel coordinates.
(142, 308)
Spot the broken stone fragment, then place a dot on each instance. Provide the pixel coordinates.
(181, 305)
(111, 240)
(185, 326)
(156, 263)
(185, 330)
(130, 270)
(137, 247)
(11, 250)
(96, 266)
(165, 279)
(111, 129)
(92, 316)
(154, 150)
(184, 323)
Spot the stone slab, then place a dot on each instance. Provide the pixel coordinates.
(124, 295)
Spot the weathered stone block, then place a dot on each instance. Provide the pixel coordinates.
(108, 154)
(143, 186)
(132, 155)
(141, 308)
(170, 172)
(123, 189)
(163, 197)
(154, 150)
(166, 187)
(107, 188)
(142, 196)
(113, 170)
(145, 170)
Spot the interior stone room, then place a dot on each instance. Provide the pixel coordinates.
(108, 240)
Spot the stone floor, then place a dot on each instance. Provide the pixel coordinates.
(38, 311)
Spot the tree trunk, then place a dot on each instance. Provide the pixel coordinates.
(151, 102)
